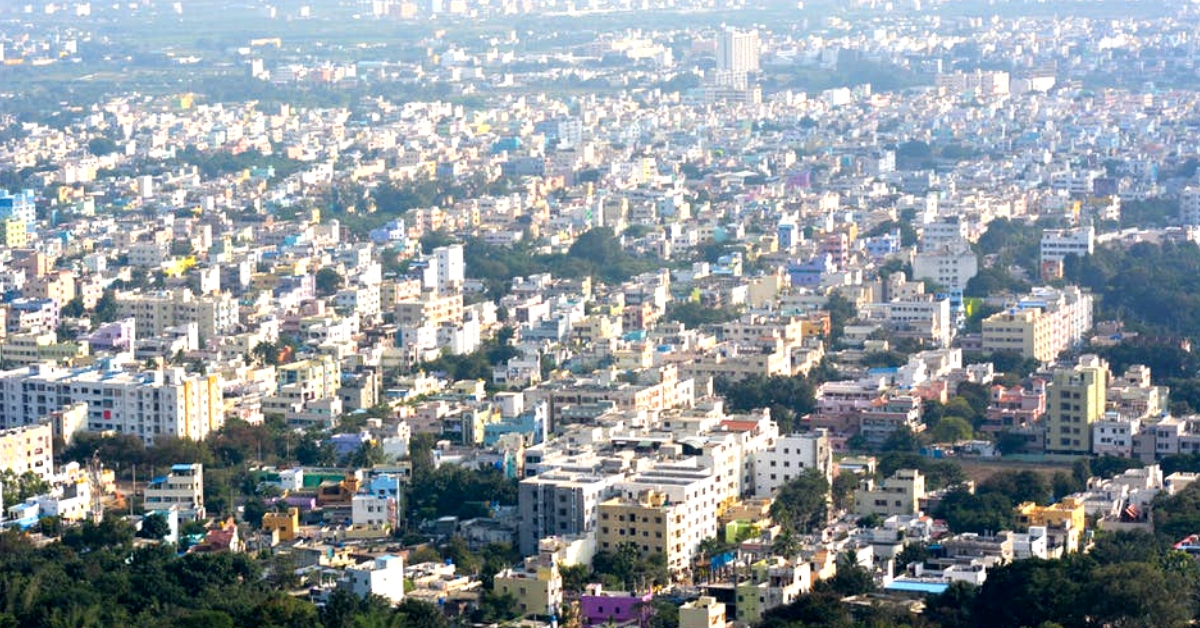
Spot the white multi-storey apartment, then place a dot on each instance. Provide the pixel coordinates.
(148, 404)
(791, 456)
(1059, 243)
(561, 502)
(183, 488)
(738, 51)
(951, 265)
(450, 268)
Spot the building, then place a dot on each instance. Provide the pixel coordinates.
(1075, 399)
(561, 503)
(1064, 521)
(897, 495)
(703, 612)
(537, 586)
(790, 457)
(19, 206)
(773, 582)
(738, 51)
(1041, 325)
(951, 265)
(450, 268)
(147, 404)
(183, 488)
(1189, 207)
(651, 524)
(1057, 244)
(282, 526)
(884, 417)
(383, 576)
(155, 312)
(28, 448)
(619, 608)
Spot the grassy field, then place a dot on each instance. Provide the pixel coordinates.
(979, 469)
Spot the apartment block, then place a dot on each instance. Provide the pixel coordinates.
(651, 523)
(791, 456)
(1075, 399)
(1041, 325)
(182, 488)
(155, 312)
(147, 404)
(561, 503)
(897, 495)
(28, 448)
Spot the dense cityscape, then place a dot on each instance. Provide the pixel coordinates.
(653, 313)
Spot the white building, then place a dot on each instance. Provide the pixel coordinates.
(951, 265)
(790, 457)
(1059, 243)
(148, 404)
(182, 488)
(383, 576)
(738, 51)
(450, 268)
(372, 511)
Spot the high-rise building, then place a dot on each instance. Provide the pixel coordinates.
(148, 404)
(450, 268)
(1075, 399)
(738, 51)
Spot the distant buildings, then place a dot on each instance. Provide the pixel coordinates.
(1041, 325)
(738, 51)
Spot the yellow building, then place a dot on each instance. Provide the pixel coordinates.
(28, 448)
(650, 523)
(1043, 325)
(13, 233)
(430, 310)
(1068, 512)
(537, 587)
(1075, 399)
(282, 526)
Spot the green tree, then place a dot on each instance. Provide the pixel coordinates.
(155, 527)
(802, 504)
(951, 429)
(328, 281)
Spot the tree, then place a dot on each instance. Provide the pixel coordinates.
(951, 429)
(802, 504)
(155, 527)
(328, 281)
(851, 578)
(267, 352)
(253, 511)
(101, 146)
(842, 490)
